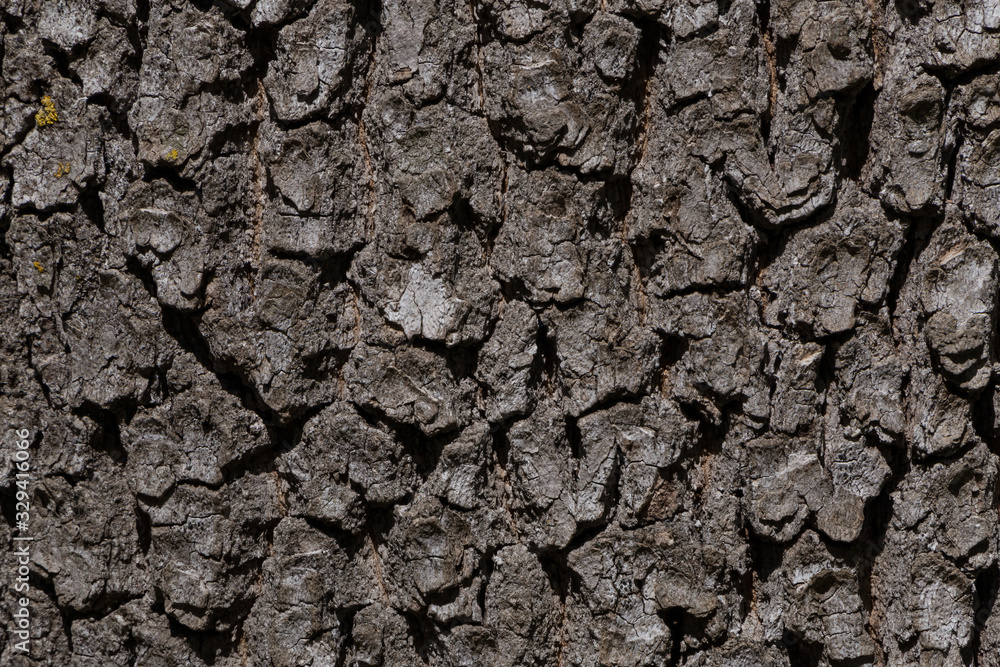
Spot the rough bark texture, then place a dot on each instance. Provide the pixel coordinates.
(503, 332)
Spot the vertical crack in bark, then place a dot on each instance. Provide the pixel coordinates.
(558, 574)
(259, 193)
(504, 154)
(504, 203)
(500, 469)
(879, 48)
(243, 649)
(770, 54)
(481, 75)
(282, 500)
(363, 138)
(649, 53)
(372, 199)
(878, 519)
(479, 56)
(562, 633)
(377, 562)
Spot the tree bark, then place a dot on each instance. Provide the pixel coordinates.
(489, 332)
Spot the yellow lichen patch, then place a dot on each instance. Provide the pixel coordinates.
(38, 265)
(47, 114)
(172, 154)
(62, 169)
